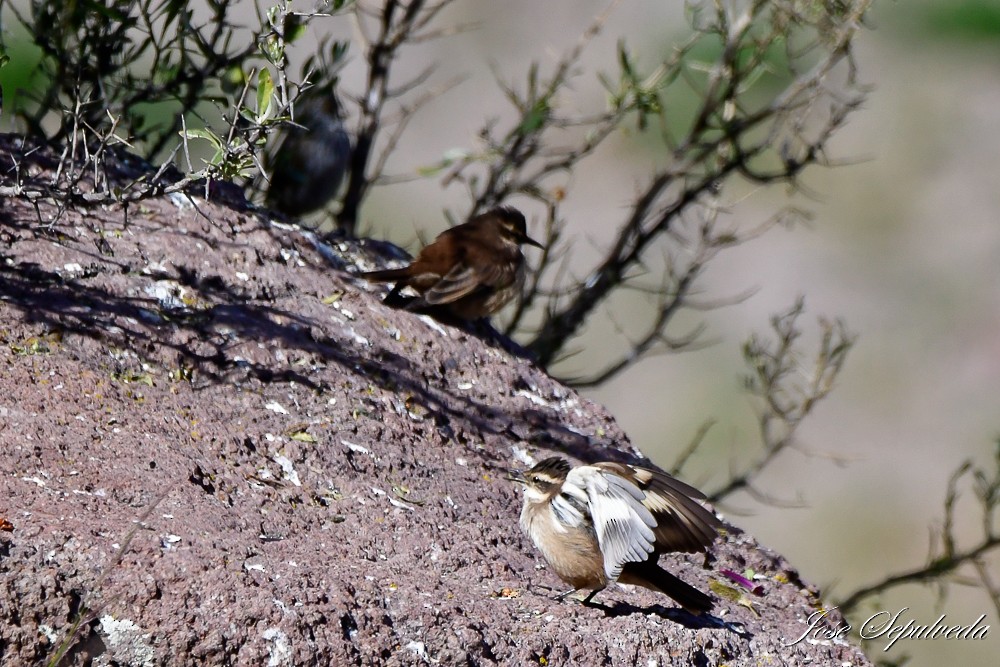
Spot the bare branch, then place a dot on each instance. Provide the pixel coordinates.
(691, 447)
(727, 137)
(398, 25)
(945, 562)
(774, 369)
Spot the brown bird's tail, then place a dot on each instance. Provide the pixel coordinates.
(385, 275)
(651, 575)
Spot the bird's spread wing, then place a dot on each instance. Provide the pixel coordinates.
(682, 524)
(624, 526)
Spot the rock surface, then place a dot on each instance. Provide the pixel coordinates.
(220, 448)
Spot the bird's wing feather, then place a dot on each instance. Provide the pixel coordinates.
(682, 523)
(623, 525)
(460, 281)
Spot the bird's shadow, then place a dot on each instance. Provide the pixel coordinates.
(675, 614)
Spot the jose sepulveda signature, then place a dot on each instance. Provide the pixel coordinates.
(891, 627)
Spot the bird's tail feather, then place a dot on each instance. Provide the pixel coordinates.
(385, 275)
(651, 575)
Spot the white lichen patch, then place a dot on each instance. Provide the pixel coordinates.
(522, 455)
(180, 200)
(418, 649)
(534, 398)
(432, 323)
(274, 406)
(127, 641)
(279, 650)
(287, 469)
(292, 257)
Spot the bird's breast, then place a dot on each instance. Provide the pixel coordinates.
(571, 551)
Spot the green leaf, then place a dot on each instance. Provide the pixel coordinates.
(272, 16)
(535, 118)
(207, 135)
(273, 48)
(265, 95)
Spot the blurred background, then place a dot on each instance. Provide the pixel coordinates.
(904, 246)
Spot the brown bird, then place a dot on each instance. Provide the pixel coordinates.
(605, 522)
(469, 271)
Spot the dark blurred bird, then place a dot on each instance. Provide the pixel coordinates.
(469, 271)
(605, 522)
(310, 163)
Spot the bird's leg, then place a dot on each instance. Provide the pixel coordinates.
(586, 601)
(562, 596)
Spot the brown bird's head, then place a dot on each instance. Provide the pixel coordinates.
(513, 223)
(544, 480)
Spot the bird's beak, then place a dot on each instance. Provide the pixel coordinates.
(530, 241)
(516, 476)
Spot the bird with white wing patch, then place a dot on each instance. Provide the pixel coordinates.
(605, 522)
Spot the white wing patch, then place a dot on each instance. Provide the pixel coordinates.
(622, 523)
(567, 514)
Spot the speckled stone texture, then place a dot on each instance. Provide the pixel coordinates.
(220, 448)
